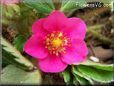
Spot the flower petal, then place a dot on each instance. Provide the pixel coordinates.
(54, 21)
(52, 64)
(80, 47)
(76, 53)
(75, 28)
(37, 27)
(34, 47)
(72, 58)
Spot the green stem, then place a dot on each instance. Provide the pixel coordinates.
(103, 39)
(96, 27)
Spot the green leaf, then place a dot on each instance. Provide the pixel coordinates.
(12, 55)
(16, 9)
(107, 67)
(96, 74)
(13, 75)
(82, 80)
(49, 3)
(72, 4)
(66, 76)
(11, 11)
(76, 72)
(40, 5)
(19, 42)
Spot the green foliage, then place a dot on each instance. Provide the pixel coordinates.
(24, 22)
(13, 75)
(105, 67)
(72, 4)
(96, 74)
(13, 56)
(81, 80)
(12, 10)
(19, 42)
(77, 73)
(67, 76)
(90, 73)
(42, 6)
(9, 13)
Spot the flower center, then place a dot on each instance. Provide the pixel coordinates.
(56, 43)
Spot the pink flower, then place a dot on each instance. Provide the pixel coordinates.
(9, 1)
(57, 41)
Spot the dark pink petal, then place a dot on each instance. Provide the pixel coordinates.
(80, 47)
(52, 64)
(76, 53)
(71, 57)
(55, 21)
(37, 27)
(75, 27)
(35, 47)
(79, 28)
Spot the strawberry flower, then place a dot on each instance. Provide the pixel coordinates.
(57, 41)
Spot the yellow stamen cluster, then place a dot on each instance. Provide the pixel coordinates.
(56, 43)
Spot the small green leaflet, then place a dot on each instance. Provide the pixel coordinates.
(42, 6)
(81, 80)
(13, 56)
(107, 67)
(19, 42)
(96, 74)
(77, 73)
(66, 76)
